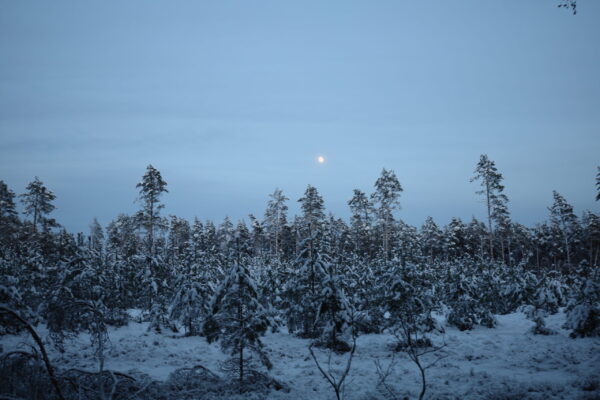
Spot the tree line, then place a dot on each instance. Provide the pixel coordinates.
(320, 276)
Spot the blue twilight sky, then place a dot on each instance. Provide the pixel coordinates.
(231, 99)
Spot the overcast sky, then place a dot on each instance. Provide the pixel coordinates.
(231, 99)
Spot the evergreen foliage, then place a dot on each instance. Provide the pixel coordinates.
(239, 320)
(320, 276)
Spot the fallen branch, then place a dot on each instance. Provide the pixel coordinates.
(81, 371)
(203, 368)
(19, 353)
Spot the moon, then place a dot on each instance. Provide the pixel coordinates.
(321, 159)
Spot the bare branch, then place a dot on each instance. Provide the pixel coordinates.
(384, 375)
(38, 341)
(338, 383)
(114, 385)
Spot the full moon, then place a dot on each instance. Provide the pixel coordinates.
(320, 159)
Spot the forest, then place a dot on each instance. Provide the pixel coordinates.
(224, 296)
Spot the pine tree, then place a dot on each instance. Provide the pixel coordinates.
(501, 218)
(38, 203)
(257, 237)
(225, 238)
(8, 215)
(304, 288)
(151, 187)
(386, 197)
(409, 299)
(476, 238)
(598, 185)
(583, 310)
(121, 246)
(178, 237)
(7, 203)
(431, 238)
(361, 222)
(96, 236)
(408, 248)
(591, 222)
(242, 241)
(240, 319)
(455, 238)
(547, 298)
(211, 237)
(313, 214)
(335, 313)
(189, 305)
(468, 298)
(489, 177)
(523, 246)
(564, 220)
(275, 220)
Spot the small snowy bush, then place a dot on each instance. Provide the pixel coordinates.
(466, 312)
(583, 312)
(584, 320)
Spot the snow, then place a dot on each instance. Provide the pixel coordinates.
(504, 362)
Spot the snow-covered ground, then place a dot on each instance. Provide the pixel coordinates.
(507, 362)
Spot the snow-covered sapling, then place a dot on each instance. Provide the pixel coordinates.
(240, 320)
(583, 311)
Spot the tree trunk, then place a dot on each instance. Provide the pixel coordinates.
(241, 319)
(151, 228)
(423, 381)
(489, 210)
(241, 361)
(567, 249)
